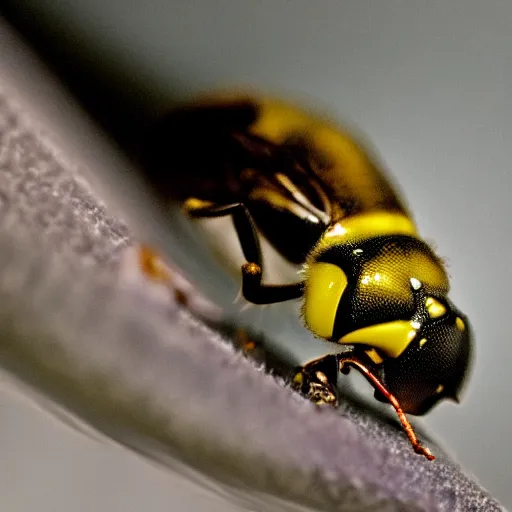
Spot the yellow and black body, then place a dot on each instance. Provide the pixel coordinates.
(368, 280)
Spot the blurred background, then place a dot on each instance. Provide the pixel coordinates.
(428, 83)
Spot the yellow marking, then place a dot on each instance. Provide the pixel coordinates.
(193, 203)
(298, 379)
(439, 389)
(368, 225)
(392, 338)
(460, 324)
(434, 307)
(324, 287)
(374, 356)
(422, 342)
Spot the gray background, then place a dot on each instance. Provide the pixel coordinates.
(429, 83)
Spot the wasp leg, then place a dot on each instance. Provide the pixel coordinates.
(258, 293)
(252, 288)
(242, 220)
(316, 380)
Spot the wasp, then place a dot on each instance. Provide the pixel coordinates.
(367, 281)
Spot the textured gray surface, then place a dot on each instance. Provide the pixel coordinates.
(149, 376)
(39, 195)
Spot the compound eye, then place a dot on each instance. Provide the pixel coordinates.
(325, 285)
(435, 308)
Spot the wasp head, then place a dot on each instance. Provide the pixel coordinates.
(387, 295)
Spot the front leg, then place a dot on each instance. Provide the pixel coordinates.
(253, 289)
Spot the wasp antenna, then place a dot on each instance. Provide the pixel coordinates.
(377, 384)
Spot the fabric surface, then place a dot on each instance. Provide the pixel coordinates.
(131, 361)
